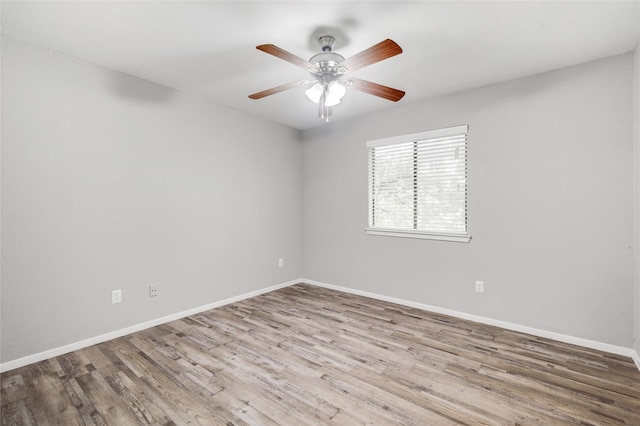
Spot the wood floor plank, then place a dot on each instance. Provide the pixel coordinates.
(54, 402)
(396, 410)
(306, 355)
(403, 383)
(18, 414)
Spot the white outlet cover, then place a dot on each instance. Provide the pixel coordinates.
(116, 296)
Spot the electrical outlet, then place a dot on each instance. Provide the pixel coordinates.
(116, 296)
(153, 290)
(280, 263)
(479, 286)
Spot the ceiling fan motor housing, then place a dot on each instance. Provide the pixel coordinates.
(327, 64)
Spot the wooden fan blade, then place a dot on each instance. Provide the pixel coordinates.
(278, 89)
(283, 54)
(379, 52)
(376, 89)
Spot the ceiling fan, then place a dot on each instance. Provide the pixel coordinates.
(329, 71)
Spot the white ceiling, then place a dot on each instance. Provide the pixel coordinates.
(208, 48)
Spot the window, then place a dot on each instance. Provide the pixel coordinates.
(418, 185)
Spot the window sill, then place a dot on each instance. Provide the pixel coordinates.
(402, 233)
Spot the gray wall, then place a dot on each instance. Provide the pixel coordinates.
(110, 182)
(550, 205)
(636, 194)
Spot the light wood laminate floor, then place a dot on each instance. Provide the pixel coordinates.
(308, 355)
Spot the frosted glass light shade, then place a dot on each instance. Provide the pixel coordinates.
(314, 93)
(336, 93)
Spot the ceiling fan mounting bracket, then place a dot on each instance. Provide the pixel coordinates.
(327, 42)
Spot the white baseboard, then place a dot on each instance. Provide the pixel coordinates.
(605, 347)
(636, 359)
(30, 359)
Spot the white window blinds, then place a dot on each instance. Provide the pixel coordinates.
(418, 184)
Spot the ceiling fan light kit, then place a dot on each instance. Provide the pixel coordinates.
(329, 70)
(332, 93)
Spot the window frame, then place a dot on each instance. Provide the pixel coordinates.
(415, 138)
